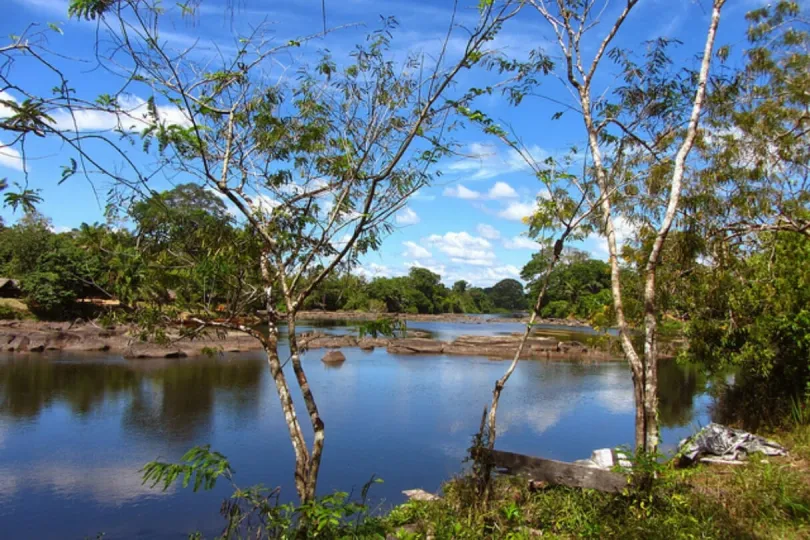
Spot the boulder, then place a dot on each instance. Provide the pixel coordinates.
(333, 357)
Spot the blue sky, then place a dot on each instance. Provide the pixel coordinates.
(467, 225)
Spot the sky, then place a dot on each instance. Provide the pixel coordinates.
(468, 223)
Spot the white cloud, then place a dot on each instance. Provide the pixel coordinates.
(435, 268)
(5, 110)
(483, 161)
(133, 116)
(488, 231)
(517, 211)
(625, 232)
(502, 190)
(520, 242)
(482, 276)
(372, 270)
(464, 248)
(406, 216)
(415, 251)
(264, 204)
(10, 158)
(460, 192)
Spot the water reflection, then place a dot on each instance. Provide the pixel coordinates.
(75, 431)
(162, 396)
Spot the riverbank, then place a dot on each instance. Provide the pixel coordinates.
(763, 498)
(35, 337)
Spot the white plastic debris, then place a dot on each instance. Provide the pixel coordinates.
(420, 495)
(606, 458)
(720, 444)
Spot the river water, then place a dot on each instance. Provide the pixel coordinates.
(75, 430)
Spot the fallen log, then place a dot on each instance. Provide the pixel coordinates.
(557, 472)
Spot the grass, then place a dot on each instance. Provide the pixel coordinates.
(766, 498)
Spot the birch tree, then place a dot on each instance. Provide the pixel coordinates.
(570, 21)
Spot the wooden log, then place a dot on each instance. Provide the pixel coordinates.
(558, 472)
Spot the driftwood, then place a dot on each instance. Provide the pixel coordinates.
(557, 472)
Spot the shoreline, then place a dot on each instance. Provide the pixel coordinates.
(440, 317)
(36, 337)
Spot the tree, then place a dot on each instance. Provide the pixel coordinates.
(460, 286)
(315, 166)
(429, 284)
(645, 119)
(575, 287)
(508, 294)
(758, 148)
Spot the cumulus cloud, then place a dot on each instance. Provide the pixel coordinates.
(134, 116)
(520, 242)
(10, 158)
(501, 190)
(483, 276)
(479, 276)
(517, 211)
(415, 251)
(372, 270)
(406, 216)
(488, 231)
(464, 248)
(433, 267)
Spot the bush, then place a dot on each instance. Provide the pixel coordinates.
(9, 313)
(558, 309)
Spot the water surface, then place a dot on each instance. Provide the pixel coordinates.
(75, 430)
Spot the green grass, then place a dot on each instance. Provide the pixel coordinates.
(766, 498)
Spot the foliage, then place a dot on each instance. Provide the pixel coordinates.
(255, 512)
(508, 295)
(751, 315)
(579, 286)
(383, 326)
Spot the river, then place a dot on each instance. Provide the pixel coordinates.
(75, 430)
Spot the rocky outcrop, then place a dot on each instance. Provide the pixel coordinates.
(333, 357)
(29, 337)
(495, 347)
(415, 346)
(35, 337)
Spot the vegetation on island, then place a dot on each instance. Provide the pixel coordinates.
(183, 248)
(707, 163)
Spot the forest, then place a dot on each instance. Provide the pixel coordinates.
(238, 196)
(185, 249)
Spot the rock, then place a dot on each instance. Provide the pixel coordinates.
(572, 347)
(333, 357)
(417, 334)
(420, 495)
(415, 346)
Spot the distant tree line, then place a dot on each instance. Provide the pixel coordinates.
(183, 247)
